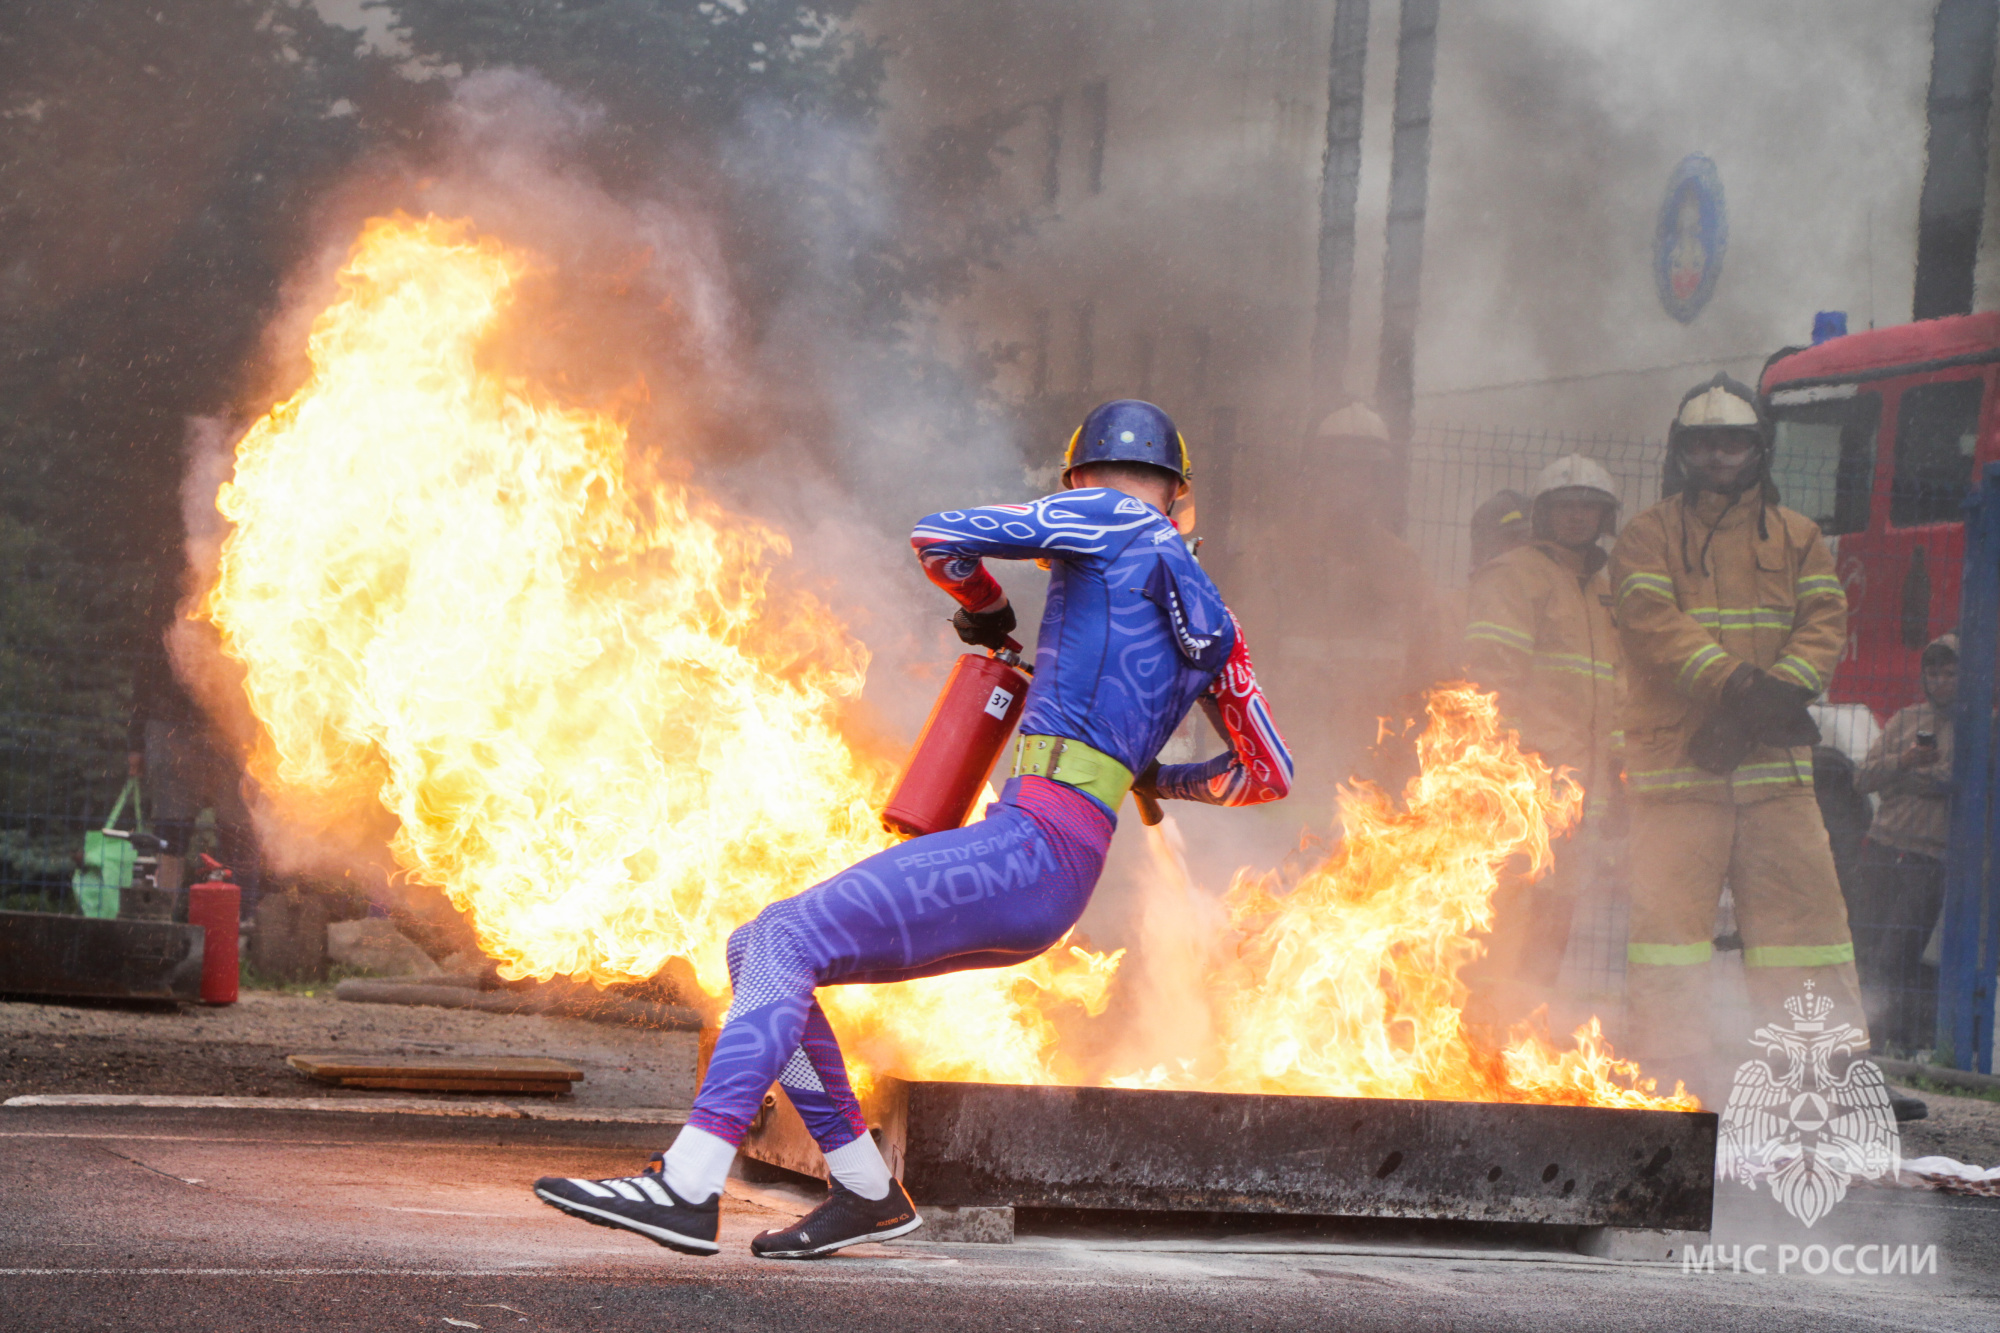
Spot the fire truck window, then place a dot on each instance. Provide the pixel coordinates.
(1824, 462)
(1937, 427)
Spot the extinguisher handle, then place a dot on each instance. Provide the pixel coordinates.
(1010, 652)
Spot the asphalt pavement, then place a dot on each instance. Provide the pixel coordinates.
(223, 1220)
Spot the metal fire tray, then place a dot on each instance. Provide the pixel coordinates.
(981, 1145)
(48, 953)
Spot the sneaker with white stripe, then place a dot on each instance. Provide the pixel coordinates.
(641, 1203)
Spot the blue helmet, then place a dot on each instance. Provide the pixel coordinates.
(1126, 430)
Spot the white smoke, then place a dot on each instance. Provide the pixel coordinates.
(803, 413)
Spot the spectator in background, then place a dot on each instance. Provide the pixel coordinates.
(1901, 888)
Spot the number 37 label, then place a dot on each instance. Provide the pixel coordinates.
(1000, 701)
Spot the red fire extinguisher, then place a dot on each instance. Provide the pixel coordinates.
(214, 905)
(956, 751)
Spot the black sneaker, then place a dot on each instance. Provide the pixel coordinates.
(640, 1203)
(844, 1219)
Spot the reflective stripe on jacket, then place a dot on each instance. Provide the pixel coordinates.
(1698, 591)
(1539, 633)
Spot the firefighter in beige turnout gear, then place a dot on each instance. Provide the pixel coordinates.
(1539, 634)
(1731, 619)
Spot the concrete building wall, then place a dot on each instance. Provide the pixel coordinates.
(1166, 158)
(1171, 256)
(1188, 266)
(1557, 125)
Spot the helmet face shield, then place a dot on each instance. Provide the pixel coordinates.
(1581, 495)
(1558, 513)
(1721, 440)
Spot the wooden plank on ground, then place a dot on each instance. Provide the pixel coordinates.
(456, 1085)
(439, 1073)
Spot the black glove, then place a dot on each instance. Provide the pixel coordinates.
(1756, 708)
(1737, 688)
(1146, 794)
(1721, 743)
(1777, 712)
(985, 629)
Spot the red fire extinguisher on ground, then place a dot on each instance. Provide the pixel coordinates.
(955, 753)
(214, 905)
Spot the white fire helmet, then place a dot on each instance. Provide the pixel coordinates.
(1716, 406)
(1583, 478)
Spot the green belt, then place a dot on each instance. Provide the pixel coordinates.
(1074, 764)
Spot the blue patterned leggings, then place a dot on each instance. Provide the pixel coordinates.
(990, 894)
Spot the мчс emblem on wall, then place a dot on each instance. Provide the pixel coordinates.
(1795, 1122)
(1689, 238)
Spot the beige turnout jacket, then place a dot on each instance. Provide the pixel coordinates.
(1539, 635)
(1699, 590)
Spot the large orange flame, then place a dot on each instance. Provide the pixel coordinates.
(598, 727)
(1347, 984)
(576, 694)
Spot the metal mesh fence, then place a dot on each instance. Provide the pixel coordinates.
(1453, 469)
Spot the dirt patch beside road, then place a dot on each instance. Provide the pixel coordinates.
(1963, 1128)
(239, 1050)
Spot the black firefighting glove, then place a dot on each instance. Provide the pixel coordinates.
(1148, 781)
(1736, 690)
(985, 629)
(1756, 708)
(1722, 743)
(1146, 794)
(1777, 711)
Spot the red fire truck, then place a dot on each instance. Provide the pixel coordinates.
(1880, 435)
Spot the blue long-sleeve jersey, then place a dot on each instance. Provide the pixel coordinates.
(1134, 633)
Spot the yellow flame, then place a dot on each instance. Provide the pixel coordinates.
(598, 727)
(573, 695)
(1347, 984)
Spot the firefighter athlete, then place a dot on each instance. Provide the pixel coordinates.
(1731, 620)
(1539, 635)
(1133, 634)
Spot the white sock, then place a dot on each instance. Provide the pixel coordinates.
(698, 1164)
(859, 1166)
